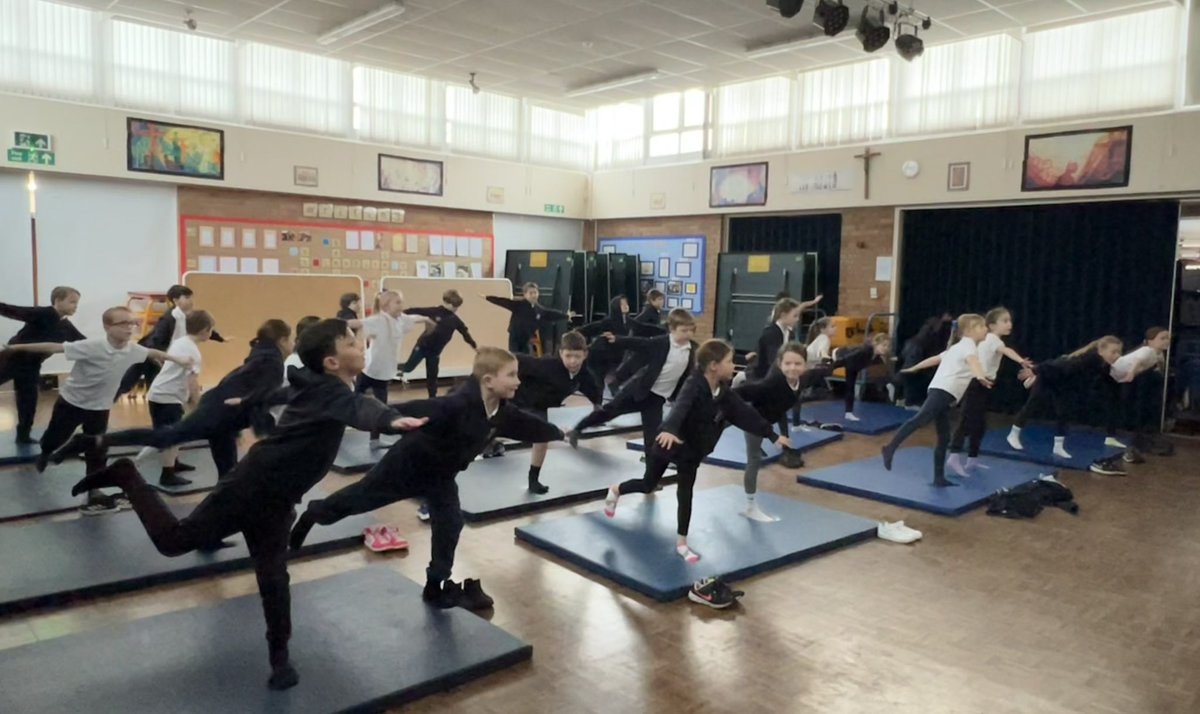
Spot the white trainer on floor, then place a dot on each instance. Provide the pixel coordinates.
(850, 417)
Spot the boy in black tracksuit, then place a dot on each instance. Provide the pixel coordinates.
(546, 382)
(259, 497)
(663, 364)
(42, 324)
(528, 318)
(239, 401)
(430, 345)
(425, 463)
(706, 405)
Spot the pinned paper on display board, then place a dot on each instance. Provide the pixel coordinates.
(435, 245)
(476, 248)
(228, 238)
(422, 268)
(270, 266)
(228, 264)
(208, 263)
(367, 240)
(248, 265)
(207, 238)
(412, 243)
(351, 240)
(270, 240)
(463, 247)
(249, 238)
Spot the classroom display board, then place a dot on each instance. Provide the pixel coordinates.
(251, 246)
(240, 303)
(672, 264)
(487, 323)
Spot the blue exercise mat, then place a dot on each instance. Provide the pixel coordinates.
(25, 493)
(1083, 446)
(636, 548)
(355, 455)
(13, 453)
(910, 482)
(499, 487)
(362, 641)
(48, 562)
(874, 418)
(731, 449)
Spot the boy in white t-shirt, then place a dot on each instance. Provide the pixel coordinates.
(176, 386)
(960, 364)
(87, 395)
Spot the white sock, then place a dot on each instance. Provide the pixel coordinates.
(610, 501)
(1060, 447)
(955, 464)
(689, 556)
(1014, 438)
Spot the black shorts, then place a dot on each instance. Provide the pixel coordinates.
(164, 415)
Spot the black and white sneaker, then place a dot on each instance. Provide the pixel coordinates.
(1133, 456)
(101, 506)
(1108, 467)
(714, 592)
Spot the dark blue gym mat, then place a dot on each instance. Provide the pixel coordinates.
(47, 562)
(636, 548)
(363, 641)
(874, 418)
(1083, 446)
(731, 449)
(13, 453)
(498, 487)
(910, 482)
(25, 493)
(356, 455)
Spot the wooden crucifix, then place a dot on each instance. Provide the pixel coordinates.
(866, 157)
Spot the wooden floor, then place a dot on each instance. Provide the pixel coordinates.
(1093, 613)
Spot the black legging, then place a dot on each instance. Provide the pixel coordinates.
(657, 461)
(650, 407)
(1040, 393)
(24, 370)
(218, 425)
(64, 420)
(238, 505)
(936, 409)
(431, 368)
(972, 423)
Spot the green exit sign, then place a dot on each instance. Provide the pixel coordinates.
(31, 156)
(555, 208)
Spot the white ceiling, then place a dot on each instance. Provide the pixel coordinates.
(543, 48)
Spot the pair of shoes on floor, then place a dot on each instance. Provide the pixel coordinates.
(897, 532)
(379, 539)
(1108, 467)
(105, 505)
(714, 592)
(469, 595)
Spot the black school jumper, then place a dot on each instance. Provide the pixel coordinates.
(1056, 378)
(258, 499)
(697, 418)
(635, 395)
(604, 358)
(527, 318)
(545, 383)
(430, 345)
(158, 339)
(425, 463)
(649, 315)
(255, 382)
(42, 324)
(770, 342)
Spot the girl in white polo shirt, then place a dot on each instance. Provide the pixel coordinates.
(1149, 356)
(960, 364)
(384, 331)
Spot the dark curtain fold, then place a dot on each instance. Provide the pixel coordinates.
(1069, 273)
(821, 234)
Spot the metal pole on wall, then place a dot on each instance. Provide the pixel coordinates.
(31, 186)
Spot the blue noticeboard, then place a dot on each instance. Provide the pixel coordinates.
(672, 264)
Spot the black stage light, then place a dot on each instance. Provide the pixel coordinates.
(872, 31)
(831, 16)
(909, 45)
(786, 8)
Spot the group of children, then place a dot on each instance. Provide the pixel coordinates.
(325, 377)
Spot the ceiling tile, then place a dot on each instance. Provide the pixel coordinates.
(981, 23)
(1037, 12)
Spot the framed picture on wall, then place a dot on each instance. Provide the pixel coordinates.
(304, 175)
(739, 185)
(157, 147)
(1073, 160)
(958, 177)
(405, 175)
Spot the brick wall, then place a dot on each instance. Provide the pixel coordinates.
(866, 234)
(711, 227)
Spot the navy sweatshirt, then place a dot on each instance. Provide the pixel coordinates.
(527, 317)
(545, 382)
(698, 418)
(446, 322)
(772, 397)
(42, 324)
